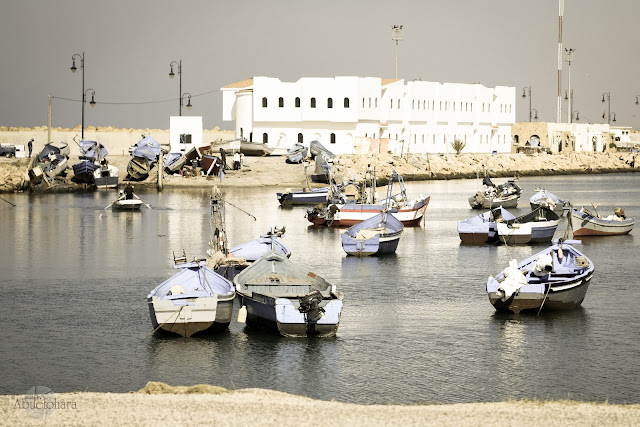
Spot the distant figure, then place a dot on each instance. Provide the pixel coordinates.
(223, 156)
(487, 181)
(30, 146)
(236, 161)
(128, 192)
(632, 164)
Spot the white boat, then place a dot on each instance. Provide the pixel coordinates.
(106, 176)
(537, 226)
(194, 300)
(491, 196)
(586, 223)
(546, 199)
(128, 201)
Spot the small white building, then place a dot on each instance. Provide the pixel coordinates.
(339, 112)
(185, 132)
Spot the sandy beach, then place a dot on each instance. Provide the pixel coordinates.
(274, 171)
(159, 403)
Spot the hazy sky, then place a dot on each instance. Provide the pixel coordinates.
(129, 44)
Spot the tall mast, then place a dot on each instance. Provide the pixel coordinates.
(560, 15)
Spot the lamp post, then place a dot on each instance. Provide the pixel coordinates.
(171, 74)
(637, 102)
(396, 35)
(576, 114)
(568, 96)
(188, 96)
(568, 56)
(536, 115)
(524, 95)
(608, 95)
(73, 70)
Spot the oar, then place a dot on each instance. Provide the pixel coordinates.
(8, 202)
(594, 208)
(147, 205)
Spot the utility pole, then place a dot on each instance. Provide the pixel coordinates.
(569, 57)
(396, 35)
(49, 122)
(560, 16)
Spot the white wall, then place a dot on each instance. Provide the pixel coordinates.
(190, 125)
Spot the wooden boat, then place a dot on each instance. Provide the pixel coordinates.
(482, 228)
(305, 196)
(377, 235)
(91, 150)
(138, 168)
(128, 201)
(491, 196)
(106, 176)
(149, 148)
(546, 199)
(56, 164)
(276, 293)
(537, 226)
(556, 278)
(174, 162)
(254, 249)
(586, 223)
(63, 147)
(83, 171)
(195, 299)
(249, 148)
(322, 171)
(297, 153)
(318, 150)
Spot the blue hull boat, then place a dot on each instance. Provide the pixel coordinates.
(546, 199)
(83, 171)
(377, 235)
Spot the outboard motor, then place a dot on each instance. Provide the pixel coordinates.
(309, 305)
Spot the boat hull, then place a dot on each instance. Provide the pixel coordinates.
(349, 215)
(505, 202)
(127, 205)
(382, 244)
(302, 197)
(587, 225)
(210, 314)
(479, 238)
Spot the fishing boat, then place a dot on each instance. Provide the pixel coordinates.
(249, 148)
(491, 195)
(276, 293)
(587, 223)
(83, 171)
(482, 228)
(174, 162)
(305, 196)
(63, 147)
(556, 278)
(546, 199)
(128, 201)
(537, 226)
(322, 171)
(254, 249)
(377, 235)
(318, 150)
(149, 148)
(138, 168)
(409, 212)
(56, 164)
(297, 153)
(106, 176)
(195, 299)
(91, 150)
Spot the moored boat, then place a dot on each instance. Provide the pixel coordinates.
(377, 235)
(482, 228)
(83, 171)
(586, 223)
(56, 165)
(546, 199)
(556, 278)
(491, 196)
(306, 196)
(138, 168)
(276, 293)
(537, 226)
(106, 176)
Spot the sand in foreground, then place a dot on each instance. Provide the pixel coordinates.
(161, 404)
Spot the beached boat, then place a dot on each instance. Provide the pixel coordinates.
(377, 235)
(537, 226)
(482, 228)
(556, 278)
(297, 153)
(491, 195)
(317, 150)
(586, 223)
(195, 299)
(91, 150)
(276, 293)
(106, 176)
(546, 199)
(249, 148)
(322, 171)
(306, 196)
(149, 148)
(63, 147)
(83, 171)
(174, 162)
(138, 168)
(56, 164)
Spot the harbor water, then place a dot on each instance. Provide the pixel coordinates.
(417, 327)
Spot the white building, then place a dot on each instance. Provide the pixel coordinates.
(185, 132)
(339, 112)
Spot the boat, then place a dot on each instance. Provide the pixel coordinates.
(56, 165)
(194, 300)
(482, 228)
(106, 176)
(174, 162)
(276, 293)
(249, 148)
(377, 235)
(491, 195)
(83, 171)
(128, 201)
(546, 199)
(149, 148)
(305, 196)
(63, 147)
(297, 153)
(537, 226)
(322, 172)
(317, 149)
(43, 155)
(254, 249)
(138, 168)
(91, 150)
(556, 278)
(586, 223)
(409, 212)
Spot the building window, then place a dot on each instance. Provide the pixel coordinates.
(333, 138)
(376, 101)
(440, 105)
(297, 102)
(423, 101)
(313, 103)
(362, 102)
(241, 133)
(413, 104)
(346, 103)
(392, 104)
(281, 102)
(369, 102)
(329, 102)
(265, 138)
(398, 104)
(300, 138)
(264, 102)
(185, 139)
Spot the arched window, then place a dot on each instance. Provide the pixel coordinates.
(329, 102)
(346, 103)
(392, 104)
(265, 138)
(264, 102)
(313, 103)
(333, 138)
(297, 102)
(376, 100)
(362, 102)
(413, 104)
(300, 138)
(281, 102)
(369, 102)
(241, 132)
(398, 104)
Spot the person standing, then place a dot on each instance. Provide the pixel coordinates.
(30, 146)
(236, 161)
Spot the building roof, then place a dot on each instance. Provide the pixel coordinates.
(240, 85)
(385, 82)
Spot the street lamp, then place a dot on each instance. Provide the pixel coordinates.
(171, 74)
(568, 56)
(73, 70)
(188, 96)
(576, 114)
(608, 95)
(93, 101)
(536, 116)
(637, 99)
(524, 95)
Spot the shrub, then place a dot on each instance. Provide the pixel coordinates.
(458, 146)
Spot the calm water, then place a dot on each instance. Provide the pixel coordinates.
(416, 327)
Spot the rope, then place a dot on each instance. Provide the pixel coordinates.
(164, 323)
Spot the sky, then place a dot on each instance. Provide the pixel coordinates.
(129, 44)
